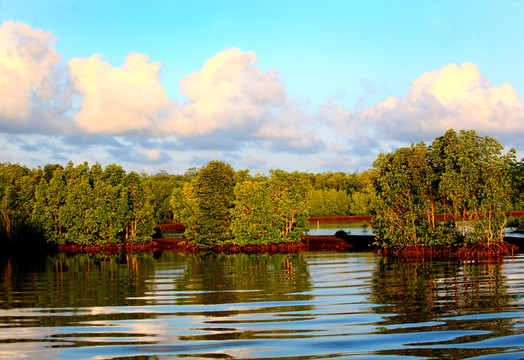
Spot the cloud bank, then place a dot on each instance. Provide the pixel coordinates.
(233, 110)
(455, 96)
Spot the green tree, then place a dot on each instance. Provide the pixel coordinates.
(517, 184)
(139, 219)
(203, 205)
(288, 194)
(85, 206)
(465, 175)
(402, 208)
(271, 210)
(17, 186)
(161, 186)
(254, 221)
(475, 183)
(329, 202)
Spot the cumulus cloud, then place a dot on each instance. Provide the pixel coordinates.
(231, 103)
(231, 98)
(230, 92)
(455, 96)
(28, 74)
(118, 101)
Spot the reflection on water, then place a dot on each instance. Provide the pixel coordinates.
(330, 227)
(301, 306)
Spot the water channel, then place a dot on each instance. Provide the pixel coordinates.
(311, 305)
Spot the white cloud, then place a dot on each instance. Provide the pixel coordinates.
(229, 92)
(337, 117)
(454, 96)
(118, 101)
(28, 72)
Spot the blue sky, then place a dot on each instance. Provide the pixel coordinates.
(309, 86)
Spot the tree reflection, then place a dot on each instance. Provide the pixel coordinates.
(442, 296)
(421, 291)
(75, 281)
(234, 278)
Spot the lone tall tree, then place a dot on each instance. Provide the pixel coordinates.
(204, 204)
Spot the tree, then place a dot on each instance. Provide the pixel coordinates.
(254, 221)
(517, 184)
(271, 210)
(403, 208)
(475, 183)
(161, 186)
(329, 202)
(17, 184)
(465, 175)
(86, 206)
(203, 205)
(288, 194)
(139, 219)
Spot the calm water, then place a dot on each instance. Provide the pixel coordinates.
(329, 228)
(300, 306)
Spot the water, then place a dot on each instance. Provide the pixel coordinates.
(330, 228)
(299, 306)
(320, 228)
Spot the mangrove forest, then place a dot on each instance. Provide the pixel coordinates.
(452, 194)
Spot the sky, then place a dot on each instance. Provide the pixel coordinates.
(295, 85)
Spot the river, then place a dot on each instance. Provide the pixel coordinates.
(312, 305)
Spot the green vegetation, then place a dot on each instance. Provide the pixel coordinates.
(203, 205)
(74, 205)
(82, 205)
(338, 194)
(270, 209)
(221, 207)
(464, 175)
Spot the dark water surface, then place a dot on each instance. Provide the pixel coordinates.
(300, 306)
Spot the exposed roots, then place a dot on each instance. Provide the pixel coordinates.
(261, 249)
(477, 251)
(106, 249)
(487, 251)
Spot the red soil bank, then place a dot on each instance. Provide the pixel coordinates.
(318, 242)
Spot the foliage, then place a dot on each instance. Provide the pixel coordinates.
(161, 185)
(17, 185)
(203, 205)
(517, 181)
(329, 202)
(474, 183)
(220, 207)
(270, 210)
(81, 205)
(288, 194)
(517, 224)
(465, 175)
(254, 221)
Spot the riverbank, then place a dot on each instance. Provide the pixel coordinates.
(308, 242)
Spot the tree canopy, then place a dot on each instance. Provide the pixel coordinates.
(463, 174)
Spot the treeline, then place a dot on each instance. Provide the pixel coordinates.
(464, 175)
(86, 205)
(74, 205)
(220, 207)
